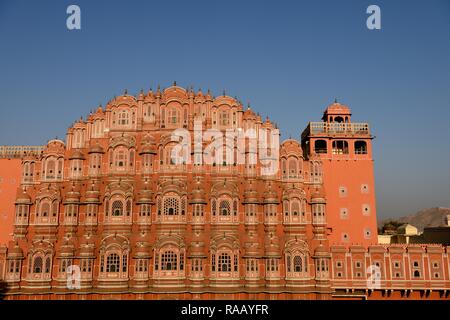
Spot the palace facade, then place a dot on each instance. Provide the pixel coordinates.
(110, 213)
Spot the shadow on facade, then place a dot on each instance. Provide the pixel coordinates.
(2, 289)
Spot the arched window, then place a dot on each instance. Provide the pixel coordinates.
(173, 116)
(224, 262)
(297, 264)
(37, 264)
(120, 158)
(340, 147)
(50, 170)
(214, 207)
(45, 209)
(283, 166)
(171, 206)
(292, 168)
(235, 207)
(128, 207)
(48, 265)
(224, 118)
(117, 208)
(295, 207)
(320, 146)
(417, 274)
(169, 261)
(123, 118)
(224, 208)
(113, 263)
(55, 208)
(360, 147)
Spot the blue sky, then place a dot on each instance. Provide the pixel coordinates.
(289, 59)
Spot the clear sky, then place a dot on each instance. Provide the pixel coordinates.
(289, 59)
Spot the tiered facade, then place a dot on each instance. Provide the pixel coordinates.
(111, 214)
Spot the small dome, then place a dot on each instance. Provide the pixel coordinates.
(97, 148)
(145, 196)
(76, 154)
(337, 108)
(321, 250)
(250, 193)
(252, 249)
(147, 149)
(318, 193)
(67, 250)
(270, 196)
(15, 252)
(272, 247)
(73, 196)
(23, 197)
(197, 249)
(142, 250)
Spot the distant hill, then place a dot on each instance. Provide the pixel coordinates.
(431, 217)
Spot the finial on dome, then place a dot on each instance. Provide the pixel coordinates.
(125, 92)
(142, 91)
(174, 83)
(335, 100)
(224, 93)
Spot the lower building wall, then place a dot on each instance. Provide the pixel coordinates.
(337, 295)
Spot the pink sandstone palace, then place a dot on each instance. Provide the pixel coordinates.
(110, 207)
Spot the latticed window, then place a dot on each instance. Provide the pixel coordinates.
(214, 207)
(120, 159)
(224, 208)
(297, 264)
(159, 206)
(128, 208)
(45, 209)
(123, 118)
(171, 206)
(224, 118)
(48, 263)
(250, 209)
(92, 210)
(295, 208)
(145, 210)
(117, 208)
(183, 206)
(63, 266)
(71, 210)
(156, 262)
(169, 261)
(55, 208)
(113, 263)
(141, 265)
(86, 265)
(14, 266)
(292, 168)
(181, 261)
(224, 262)
(173, 116)
(37, 265)
(197, 265)
(272, 265)
(124, 263)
